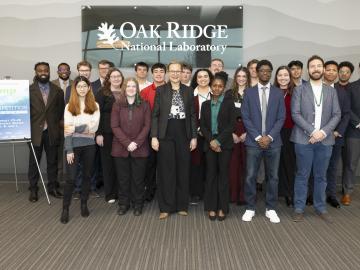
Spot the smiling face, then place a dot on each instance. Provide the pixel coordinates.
(252, 71)
(42, 73)
(131, 89)
(216, 66)
(203, 79)
(158, 75)
(316, 69)
(141, 72)
(283, 78)
(264, 74)
(241, 78)
(115, 79)
(217, 87)
(331, 73)
(296, 72)
(344, 74)
(82, 89)
(64, 72)
(174, 73)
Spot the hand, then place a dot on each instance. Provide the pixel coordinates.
(155, 144)
(312, 140)
(318, 136)
(70, 158)
(215, 146)
(68, 130)
(243, 137)
(193, 144)
(264, 142)
(236, 139)
(337, 134)
(132, 147)
(100, 140)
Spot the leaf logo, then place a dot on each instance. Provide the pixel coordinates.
(108, 38)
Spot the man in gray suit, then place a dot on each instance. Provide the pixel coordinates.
(315, 111)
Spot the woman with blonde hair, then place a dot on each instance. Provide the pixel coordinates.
(81, 121)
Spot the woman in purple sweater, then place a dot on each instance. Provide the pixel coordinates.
(130, 122)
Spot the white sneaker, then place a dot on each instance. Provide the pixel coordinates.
(271, 214)
(248, 215)
(111, 201)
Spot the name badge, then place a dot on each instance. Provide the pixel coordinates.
(237, 104)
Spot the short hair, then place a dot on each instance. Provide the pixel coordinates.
(106, 62)
(83, 63)
(331, 62)
(263, 63)
(158, 65)
(141, 64)
(315, 57)
(251, 62)
(41, 64)
(222, 75)
(63, 64)
(296, 63)
(347, 64)
(173, 62)
(186, 66)
(217, 59)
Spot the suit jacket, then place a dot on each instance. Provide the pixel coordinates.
(251, 115)
(105, 104)
(303, 113)
(344, 103)
(96, 85)
(52, 113)
(226, 123)
(57, 82)
(68, 92)
(162, 106)
(354, 92)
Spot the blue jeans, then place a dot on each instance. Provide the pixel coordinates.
(253, 158)
(316, 156)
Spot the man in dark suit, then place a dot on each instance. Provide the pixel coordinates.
(63, 81)
(263, 114)
(345, 70)
(352, 142)
(46, 116)
(103, 68)
(315, 111)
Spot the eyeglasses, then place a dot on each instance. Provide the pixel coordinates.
(84, 70)
(177, 72)
(82, 86)
(115, 77)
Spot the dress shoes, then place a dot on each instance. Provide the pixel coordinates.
(346, 200)
(33, 196)
(64, 216)
(212, 215)
(122, 210)
(298, 217)
(138, 211)
(163, 215)
(55, 193)
(221, 218)
(333, 202)
(84, 209)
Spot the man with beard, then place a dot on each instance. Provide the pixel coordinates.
(46, 116)
(63, 81)
(315, 111)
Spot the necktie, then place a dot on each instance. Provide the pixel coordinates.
(64, 86)
(263, 111)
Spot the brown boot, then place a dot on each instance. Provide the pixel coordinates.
(346, 200)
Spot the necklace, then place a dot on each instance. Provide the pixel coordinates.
(321, 98)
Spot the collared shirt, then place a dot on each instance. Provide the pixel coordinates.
(201, 98)
(215, 108)
(63, 85)
(267, 92)
(44, 89)
(318, 102)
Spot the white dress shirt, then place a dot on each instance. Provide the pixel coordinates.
(317, 91)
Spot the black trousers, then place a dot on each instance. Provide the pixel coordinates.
(108, 168)
(287, 166)
(217, 194)
(174, 168)
(130, 174)
(150, 176)
(51, 163)
(84, 155)
(198, 171)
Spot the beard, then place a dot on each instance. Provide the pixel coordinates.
(316, 76)
(43, 78)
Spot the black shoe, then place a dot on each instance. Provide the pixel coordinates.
(259, 187)
(289, 201)
(194, 200)
(55, 193)
(76, 195)
(33, 196)
(122, 210)
(84, 209)
(221, 218)
(212, 218)
(64, 216)
(309, 200)
(333, 202)
(137, 211)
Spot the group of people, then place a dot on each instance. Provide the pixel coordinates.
(198, 137)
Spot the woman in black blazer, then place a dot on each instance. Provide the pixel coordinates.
(217, 124)
(173, 135)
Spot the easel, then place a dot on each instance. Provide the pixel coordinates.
(25, 140)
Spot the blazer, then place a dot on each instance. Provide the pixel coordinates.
(162, 106)
(128, 130)
(52, 113)
(354, 91)
(57, 82)
(226, 123)
(303, 113)
(344, 103)
(251, 115)
(105, 104)
(96, 85)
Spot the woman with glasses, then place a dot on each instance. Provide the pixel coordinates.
(173, 133)
(81, 121)
(106, 97)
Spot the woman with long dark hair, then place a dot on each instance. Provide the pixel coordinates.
(106, 97)
(287, 166)
(81, 121)
(238, 157)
